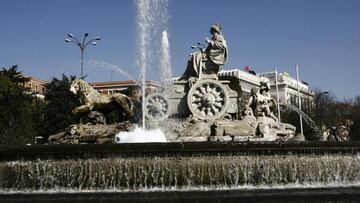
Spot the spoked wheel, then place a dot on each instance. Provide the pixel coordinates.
(208, 99)
(156, 107)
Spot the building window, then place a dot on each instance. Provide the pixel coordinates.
(36, 88)
(43, 89)
(30, 86)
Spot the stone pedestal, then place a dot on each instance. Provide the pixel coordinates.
(272, 130)
(233, 128)
(197, 132)
(89, 133)
(221, 138)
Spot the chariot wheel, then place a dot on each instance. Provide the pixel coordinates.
(157, 107)
(208, 99)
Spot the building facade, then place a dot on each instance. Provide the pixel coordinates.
(38, 86)
(288, 90)
(287, 86)
(121, 86)
(246, 80)
(35, 85)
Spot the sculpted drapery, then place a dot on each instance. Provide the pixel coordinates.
(215, 55)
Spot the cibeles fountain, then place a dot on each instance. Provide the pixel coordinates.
(197, 132)
(201, 106)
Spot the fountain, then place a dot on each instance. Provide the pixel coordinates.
(218, 149)
(179, 170)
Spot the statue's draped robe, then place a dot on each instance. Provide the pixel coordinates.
(216, 53)
(217, 50)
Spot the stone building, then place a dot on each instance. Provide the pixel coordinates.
(287, 86)
(36, 86)
(288, 90)
(120, 86)
(247, 80)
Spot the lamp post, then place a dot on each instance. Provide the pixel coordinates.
(277, 94)
(319, 113)
(299, 96)
(82, 47)
(319, 96)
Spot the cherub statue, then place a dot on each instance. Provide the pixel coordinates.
(260, 104)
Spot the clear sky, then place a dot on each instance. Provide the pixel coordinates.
(323, 36)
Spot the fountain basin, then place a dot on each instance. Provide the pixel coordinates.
(178, 166)
(86, 151)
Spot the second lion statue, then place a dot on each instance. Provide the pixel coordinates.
(92, 100)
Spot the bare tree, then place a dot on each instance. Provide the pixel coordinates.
(355, 128)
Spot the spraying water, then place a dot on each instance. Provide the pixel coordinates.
(151, 17)
(109, 66)
(165, 61)
(143, 26)
(307, 119)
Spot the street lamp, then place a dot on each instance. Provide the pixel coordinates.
(319, 112)
(319, 96)
(82, 47)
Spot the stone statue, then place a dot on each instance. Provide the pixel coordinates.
(134, 94)
(199, 107)
(209, 60)
(95, 105)
(260, 104)
(264, 86)
(92, 100)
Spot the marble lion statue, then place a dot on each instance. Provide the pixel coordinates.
(92, 100)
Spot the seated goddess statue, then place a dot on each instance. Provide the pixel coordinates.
(209, 60)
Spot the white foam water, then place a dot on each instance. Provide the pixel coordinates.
(140, 135)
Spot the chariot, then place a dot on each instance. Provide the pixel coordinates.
(205, 98)
(199, 92)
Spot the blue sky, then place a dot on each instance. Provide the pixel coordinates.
(323, 36)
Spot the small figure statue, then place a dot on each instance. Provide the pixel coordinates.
(327, 136)
(248, 111)
(260, 104)
(264, 86)
(208, 60)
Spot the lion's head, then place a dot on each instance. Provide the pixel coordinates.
(79, 87)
